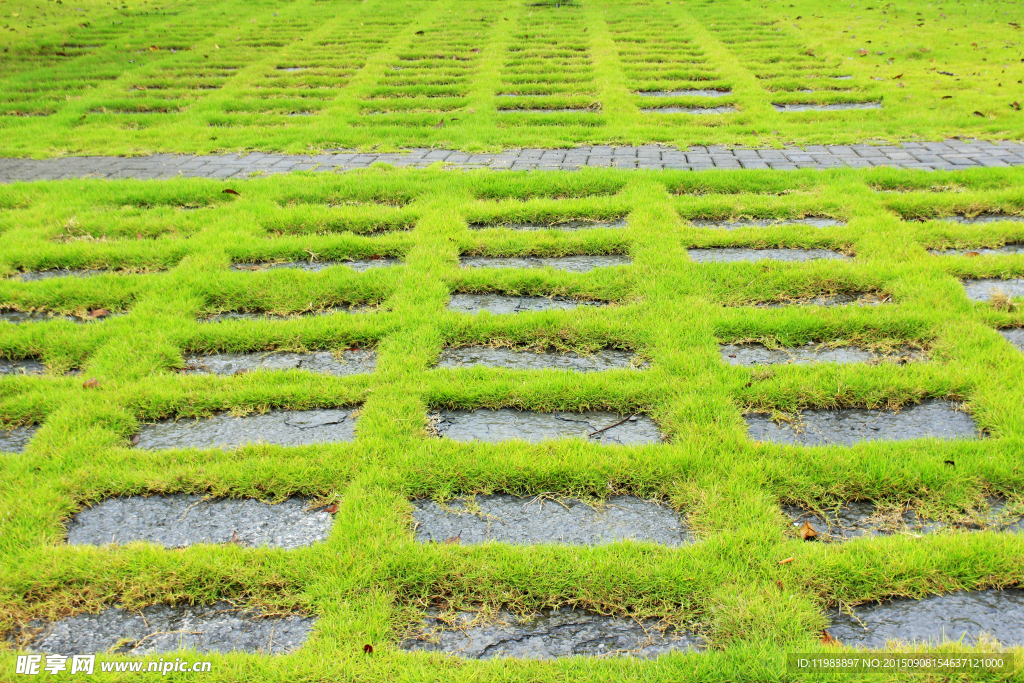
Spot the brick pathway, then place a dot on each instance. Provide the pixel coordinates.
(948, 155)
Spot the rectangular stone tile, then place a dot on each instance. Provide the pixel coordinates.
(506, 424)
(541, 520)
(280, 427)
(930, 419)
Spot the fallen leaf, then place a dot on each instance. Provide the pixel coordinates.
(234, 536)
(947, 73)
(978, 113)
(949, 462)
(786, 561)
(240, 371)
(135, 440)
(1014, 25)
(475, 49)
(862, 52)
(827, 639)
(230, 191)
(99, 313)
(419, 33)
(1015, 105)
(899, 76)
(975, 45)
(972, 254)
(453, 540)
(368, 649)
(331, 509)
(90, 383)
(947, 97)
(779, 584)
(138, 235)
(807, 531)
(439, 124)
(154, 48)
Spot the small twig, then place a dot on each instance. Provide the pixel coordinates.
(604, 429)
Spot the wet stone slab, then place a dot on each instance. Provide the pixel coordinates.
(980, 218)
(506, 424)
(931, 418)
(247, 315)
(837, 106)
(15, 440)
(220, 627)
(690, 110)
(529, 521)
(23, 366)
(550, 635)
(179, 521)
(280, 427)
(360, 265)
(983, 290)
(17, 317)
(1008, 249)
(731, 255)
(810, 353)
(481, 356)
(571, 264)
(684, 93)
(30, 276)
(1015, 337)
(864, 518)
(765, 223)
(351, 362)
(867, 299)
(934, 620)
(565, 226)
(499, 304)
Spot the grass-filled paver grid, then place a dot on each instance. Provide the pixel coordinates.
(370, 582)
(217, 76)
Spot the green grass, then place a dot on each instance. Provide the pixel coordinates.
(109, 78)
(369, 580)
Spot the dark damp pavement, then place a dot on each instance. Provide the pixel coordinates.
(522, 359)
(986, 289)
(948, 155)
(570, 264)
(757, 354)
(934, 619)
(733, 254)
(351, 362)
(15, 440)
(534, 520)
(280, 427)
(499, 304)
(358, 265)
(22, 366)
(864, 518)
(552, 634)
(178, 521)
(506, 424)
(220, 627)
(845, 427)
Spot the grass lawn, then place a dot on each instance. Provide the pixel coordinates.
(369, 582)
(116, 78)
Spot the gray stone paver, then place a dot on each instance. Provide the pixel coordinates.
(944, 155)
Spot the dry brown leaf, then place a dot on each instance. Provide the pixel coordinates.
(99, 313)
(807, 531)
(90, 383)
(453, 540)
(331, 509)
(827, 639)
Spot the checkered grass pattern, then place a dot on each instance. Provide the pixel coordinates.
(305, 76)
(369, 582)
